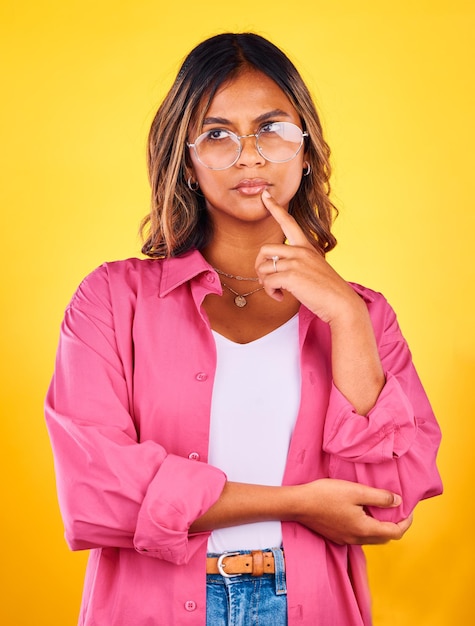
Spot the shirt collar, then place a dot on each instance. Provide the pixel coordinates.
(181, 269)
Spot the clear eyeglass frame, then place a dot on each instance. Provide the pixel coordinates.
(237, 139)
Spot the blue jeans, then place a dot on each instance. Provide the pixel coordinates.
(248, 600)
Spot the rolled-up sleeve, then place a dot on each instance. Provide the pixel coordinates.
(115, 490)
(387, 432)
(395, 445)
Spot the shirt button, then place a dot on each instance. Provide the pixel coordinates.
(201, 376)
(194, 456)
(190, 605)
(210, 277)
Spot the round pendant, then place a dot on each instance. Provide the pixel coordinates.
(240, 301)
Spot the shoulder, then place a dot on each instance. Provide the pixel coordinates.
(382, 314)
(134, 278)
(117, 279)
(368, 295)
(132, 273)
(375, 300)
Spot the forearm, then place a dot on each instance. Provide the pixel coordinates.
(332, 508)
(356, 366)
(244, 504)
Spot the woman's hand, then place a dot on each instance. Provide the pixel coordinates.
(303, 271)
(336, 509)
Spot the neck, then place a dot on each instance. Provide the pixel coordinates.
(235, 253)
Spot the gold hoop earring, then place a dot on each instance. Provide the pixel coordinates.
(193, 186)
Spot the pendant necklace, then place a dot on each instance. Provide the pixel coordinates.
(240, 298)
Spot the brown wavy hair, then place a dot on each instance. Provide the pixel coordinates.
(178, 220)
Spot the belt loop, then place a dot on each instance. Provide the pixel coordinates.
(257, 562)
(280, 581)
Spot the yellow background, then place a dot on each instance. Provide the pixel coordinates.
(80, 81)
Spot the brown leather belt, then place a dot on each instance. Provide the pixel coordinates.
(228, 564)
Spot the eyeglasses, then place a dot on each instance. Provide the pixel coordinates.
(277, 142)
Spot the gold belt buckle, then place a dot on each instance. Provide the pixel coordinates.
(222, 565)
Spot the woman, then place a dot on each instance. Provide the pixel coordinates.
(229, 417)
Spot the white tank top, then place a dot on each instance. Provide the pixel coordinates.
(256, 398)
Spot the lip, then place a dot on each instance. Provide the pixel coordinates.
(252, 186)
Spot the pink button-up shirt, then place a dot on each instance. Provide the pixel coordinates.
(128, 414)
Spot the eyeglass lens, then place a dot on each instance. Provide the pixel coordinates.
(277, 142)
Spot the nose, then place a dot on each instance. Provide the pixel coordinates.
(250, 156)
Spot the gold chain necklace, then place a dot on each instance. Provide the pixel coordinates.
(254, 279)
(240, 299)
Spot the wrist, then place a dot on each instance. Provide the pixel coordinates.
(300, 501)
(351, 315)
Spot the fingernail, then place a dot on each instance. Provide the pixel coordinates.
(266, 193)
(396, 499)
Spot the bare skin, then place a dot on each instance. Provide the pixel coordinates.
(249, 229)
(303, 272)
(329, 507)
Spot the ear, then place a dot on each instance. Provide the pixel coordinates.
(189, 175)
(188, 165)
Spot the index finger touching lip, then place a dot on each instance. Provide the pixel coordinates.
(290, 228)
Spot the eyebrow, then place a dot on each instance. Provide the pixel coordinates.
(258, 120)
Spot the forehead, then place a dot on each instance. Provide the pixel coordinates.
(247, 97)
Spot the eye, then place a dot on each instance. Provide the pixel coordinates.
(217, 134)
(271, 127)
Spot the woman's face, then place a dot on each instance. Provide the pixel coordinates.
(243, 106)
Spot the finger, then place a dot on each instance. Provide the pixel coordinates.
(405, 524)
(381, 532)
(290, 228)
(272, 284)
(380, 498)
